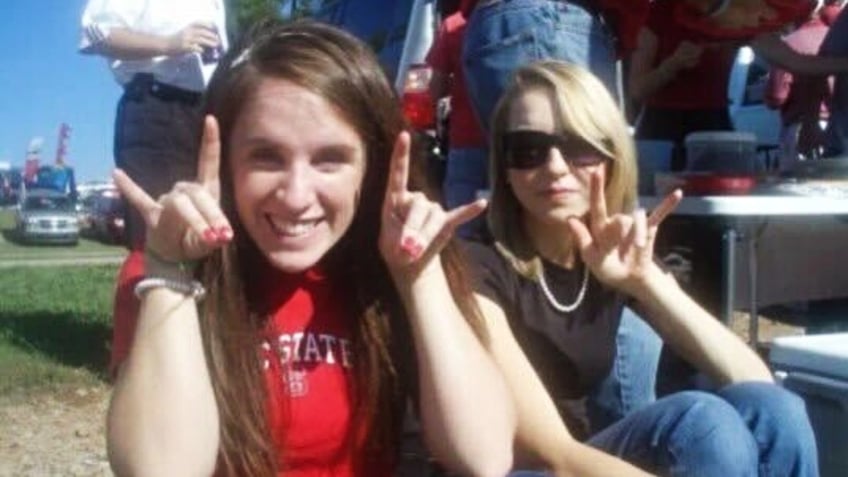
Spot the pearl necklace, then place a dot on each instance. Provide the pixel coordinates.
(559, 306)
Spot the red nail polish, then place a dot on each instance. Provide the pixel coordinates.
(225, 233)
(409, 245)
(209, 235)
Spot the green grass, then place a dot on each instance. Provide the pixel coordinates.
(55, 326)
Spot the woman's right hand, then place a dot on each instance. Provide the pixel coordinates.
(187, 223)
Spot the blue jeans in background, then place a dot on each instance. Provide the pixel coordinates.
(745, 429)
(503, 35)
(466, 174)
(631, 384)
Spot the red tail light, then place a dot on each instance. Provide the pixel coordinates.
(418, 105)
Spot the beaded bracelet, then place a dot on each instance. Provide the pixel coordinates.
(193, 289)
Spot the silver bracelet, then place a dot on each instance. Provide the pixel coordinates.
(192, 289)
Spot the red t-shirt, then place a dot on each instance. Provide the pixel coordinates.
(307, 353)
(445, 56)
(625, 16)
(307, 356)
(704, 86)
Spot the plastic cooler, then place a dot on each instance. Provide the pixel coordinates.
(816, 368)
(722, 152)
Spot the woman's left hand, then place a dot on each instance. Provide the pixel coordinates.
(619, 249)
(414, 228)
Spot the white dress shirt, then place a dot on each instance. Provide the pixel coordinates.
(156, 17)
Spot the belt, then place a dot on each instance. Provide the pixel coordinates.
(145, 83)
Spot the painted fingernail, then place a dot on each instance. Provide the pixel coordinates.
(410, 246)
(209, 235)
(225, 233)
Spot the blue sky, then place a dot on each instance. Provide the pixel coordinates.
(44, 81)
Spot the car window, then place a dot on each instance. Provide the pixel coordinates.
(382, 24)
(48, 203)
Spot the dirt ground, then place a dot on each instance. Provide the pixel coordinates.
(57, 433)
(62, 433)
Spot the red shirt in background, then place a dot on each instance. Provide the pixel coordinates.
(703, 86)
(445, 56)
(785, 12)
(625, 16)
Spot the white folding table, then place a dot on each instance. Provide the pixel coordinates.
(742, 216)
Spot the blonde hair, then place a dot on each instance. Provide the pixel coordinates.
(582, 107)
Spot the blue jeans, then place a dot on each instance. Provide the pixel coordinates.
(467, 173)
(631, 384)
(746, 429)
(503, 35)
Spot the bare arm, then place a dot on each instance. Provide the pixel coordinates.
(126, 44)
(696, 334)
(619, 249)
(541, 431)
(644, 78)
(467, 413)
(163, 418)
(774, 50)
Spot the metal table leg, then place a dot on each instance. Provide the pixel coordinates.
(754, 323)
(729, 273)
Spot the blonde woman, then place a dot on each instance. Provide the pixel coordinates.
(570, 252)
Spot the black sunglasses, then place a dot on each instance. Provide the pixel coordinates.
(527, 149)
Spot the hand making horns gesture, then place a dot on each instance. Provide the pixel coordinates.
(619, 249)
(414, 228)
(187, 223)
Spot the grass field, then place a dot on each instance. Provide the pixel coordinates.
(55, 325)
(55, 322)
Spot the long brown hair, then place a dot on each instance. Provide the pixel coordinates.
(341, 69)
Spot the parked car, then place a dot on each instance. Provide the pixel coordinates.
(10, 186)
(47, 216)
(106, 218)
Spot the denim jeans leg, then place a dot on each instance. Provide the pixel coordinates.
(631, 383)
(502, 36)
(691, 433)
(778, 421)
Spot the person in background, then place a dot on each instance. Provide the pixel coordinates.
(504, 35)
(501, 36)
(801, 99)
(835, 45)
(681, 67)
(303, 287)
(466, 173)
(570, 251)
(163, 54)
